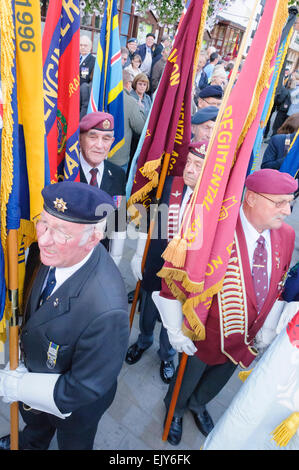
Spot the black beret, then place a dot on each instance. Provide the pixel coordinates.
(214, 91)
(77, 202)
(209, 113)
(132, 40)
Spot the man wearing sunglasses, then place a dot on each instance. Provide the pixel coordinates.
(260, 257)
(75, 331)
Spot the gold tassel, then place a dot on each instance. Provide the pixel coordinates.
(175, 252)
(243, 375)
(286, 430)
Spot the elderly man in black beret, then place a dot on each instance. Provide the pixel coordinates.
(176, 194)
(211, 95)
(75, 332)
(202, 123)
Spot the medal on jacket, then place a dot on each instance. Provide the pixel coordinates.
(52, 355)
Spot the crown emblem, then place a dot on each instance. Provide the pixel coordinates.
(60, 205)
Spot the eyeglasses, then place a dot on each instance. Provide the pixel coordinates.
(42, 227)
(278, 204)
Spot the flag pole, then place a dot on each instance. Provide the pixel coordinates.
(12, 245)
(150, 231)
(183, 361)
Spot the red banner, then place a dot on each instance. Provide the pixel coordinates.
(220, 189)
(169, 127)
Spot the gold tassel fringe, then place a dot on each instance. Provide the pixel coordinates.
(244, 374)
(176, 251)
(286, 430)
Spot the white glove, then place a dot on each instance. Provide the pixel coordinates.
(35, 390)
(136, 261)
(172, 317)
(117, 246)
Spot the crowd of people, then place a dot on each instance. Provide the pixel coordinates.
(75, 334)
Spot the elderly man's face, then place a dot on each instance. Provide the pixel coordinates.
(267, 211)
(149, 41)
(60, 242)
(95, 145)
(203, 131)
(85, 45)
(124, 58)
(208, 101)
(192, 170)
(132, 46)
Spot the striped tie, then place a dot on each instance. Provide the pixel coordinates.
(259, 272)
(94, 181)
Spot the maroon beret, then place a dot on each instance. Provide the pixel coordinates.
(98, 120)
(199, 148)
(270, 181)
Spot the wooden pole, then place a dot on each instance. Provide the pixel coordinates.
(150, 231)
(12, 244)
(175, 395)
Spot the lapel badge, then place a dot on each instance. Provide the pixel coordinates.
(60, 205)
(176, 194)
(56, 302)
(52, 355)
(277, 259)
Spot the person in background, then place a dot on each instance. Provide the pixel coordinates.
(219, 77)
(134, 120)
(158, 69)
(146, 53)
(201, 78)
(279, 144)
(209, 96)
(140, 86)
(87, 60)
(214, 59)
(131, 46)
(176, 194)
(134, 67)
(124, 56)
(202, 123)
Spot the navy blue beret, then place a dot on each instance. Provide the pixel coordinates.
(214, 91)
(77, 202)
(209, 113)
(131, 40)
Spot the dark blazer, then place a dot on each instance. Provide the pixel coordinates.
(87, 317)
(88, 66)
(114, 183)
(291, 288)
(276, 151)
(141, 50)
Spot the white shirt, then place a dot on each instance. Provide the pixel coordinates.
(86, 169)
(185, 200)
(62, 274)
(252, 235)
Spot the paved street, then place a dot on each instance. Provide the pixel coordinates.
(134, 421)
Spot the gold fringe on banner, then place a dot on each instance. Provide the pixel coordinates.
(7, 79)
(276, 27)
(176, 250)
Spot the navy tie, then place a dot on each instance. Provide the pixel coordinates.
(49, 287)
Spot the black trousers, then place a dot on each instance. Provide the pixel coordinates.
(77, 432)
(200, 384)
